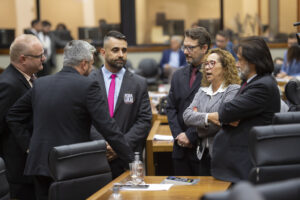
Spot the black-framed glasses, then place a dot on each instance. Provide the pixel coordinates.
(37, 56)
(210, 64)
(189, 48)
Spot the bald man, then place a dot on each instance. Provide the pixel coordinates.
(26, 57)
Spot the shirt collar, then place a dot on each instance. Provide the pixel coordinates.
(250, 79)
(25, 76)
(107, 73)
(209, 91)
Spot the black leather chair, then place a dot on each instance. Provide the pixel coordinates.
(4, 187)
(275, 153)
(286, 118)
(149, 69)
(292, 93)
(78, 170)
(283, 190)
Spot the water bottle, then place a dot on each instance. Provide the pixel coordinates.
(137, 168)
(116, 193)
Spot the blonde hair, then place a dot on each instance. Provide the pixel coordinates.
(21, 45)
(230, 73)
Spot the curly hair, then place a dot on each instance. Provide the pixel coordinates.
(228, 63)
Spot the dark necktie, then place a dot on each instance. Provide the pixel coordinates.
(32, 78)
(242, 87)
(193, 76)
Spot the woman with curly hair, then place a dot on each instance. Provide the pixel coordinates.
(220, 83)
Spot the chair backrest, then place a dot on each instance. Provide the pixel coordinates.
(149, 68)
(275, 152)
(282, 190)
(292, 93)
(286, 118)
(4, 187)
(78, 170)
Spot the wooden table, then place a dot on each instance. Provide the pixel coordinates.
(157, 146)
(205, 185)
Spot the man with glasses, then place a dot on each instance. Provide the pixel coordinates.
(26, 58)
(64, 106)
(184, 85)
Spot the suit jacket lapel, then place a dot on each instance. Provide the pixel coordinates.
(20, 76)
(102, 83)
(196, 83)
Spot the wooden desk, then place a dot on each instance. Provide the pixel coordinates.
(205, 185)
(157, 146)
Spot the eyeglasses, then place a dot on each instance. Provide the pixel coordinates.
(36, 56)
(189, 48)
(210, 64)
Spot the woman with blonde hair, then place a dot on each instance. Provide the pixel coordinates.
(220, 83)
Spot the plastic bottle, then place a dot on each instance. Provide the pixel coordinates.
(138, 167)
(116, 193)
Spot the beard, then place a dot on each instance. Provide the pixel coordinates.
(117, 63)
(244, 73)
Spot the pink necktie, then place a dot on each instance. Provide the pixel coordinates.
(111, 94)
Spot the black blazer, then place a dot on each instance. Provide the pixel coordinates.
(134, 119)
(179, 98)
(255, 105)
(64, 106)
(12, 86)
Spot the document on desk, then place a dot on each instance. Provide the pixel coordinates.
(150, 187)
(163, 137)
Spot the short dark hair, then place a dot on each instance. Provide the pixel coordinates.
(46, 23)
(293, 53)
(223, 34)
(114, 34)
(200, 34)
(34, 22)
(254, 50)
(292, 36)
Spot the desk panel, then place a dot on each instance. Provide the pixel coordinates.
(192, 192)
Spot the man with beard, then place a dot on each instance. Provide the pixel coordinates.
(127, 97)
(184, 85)
(255, 104)
(64, 106)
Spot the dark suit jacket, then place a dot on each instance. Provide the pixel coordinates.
(255, 105)
(166, 58)
(134, 119)
(64, 106)
(12, 86)
(180, 97)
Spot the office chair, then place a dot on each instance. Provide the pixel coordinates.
(292, 93)
(286, 118)
(282, 190)
(78, 170)
(149, 69)
(4, 187)
(275, 153)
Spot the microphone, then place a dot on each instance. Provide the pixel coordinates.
(297, 24)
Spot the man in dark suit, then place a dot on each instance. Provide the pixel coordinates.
(184, 85)
(50, 41)
(172, 58)
(64, 106)
(131, 105)
(254, 105)
(26, 57)
(36, 27)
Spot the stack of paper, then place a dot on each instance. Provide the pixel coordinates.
(163, 137)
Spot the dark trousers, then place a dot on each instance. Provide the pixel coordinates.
(117, 167)
(22, 191)
(42, 184)
(188, 166)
